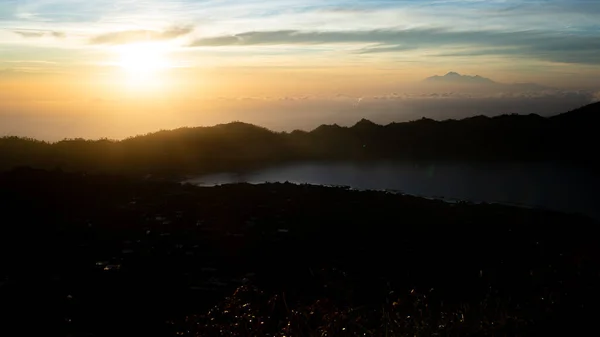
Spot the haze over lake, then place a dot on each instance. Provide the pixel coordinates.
(546, 185)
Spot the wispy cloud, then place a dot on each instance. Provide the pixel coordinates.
(28, 34)
(38, 33)
(550, 46)
(130, 36)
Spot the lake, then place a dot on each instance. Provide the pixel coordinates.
(545, 185)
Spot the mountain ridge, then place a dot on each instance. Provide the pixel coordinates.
(567, 137)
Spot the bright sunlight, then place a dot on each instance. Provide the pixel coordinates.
(143, 63)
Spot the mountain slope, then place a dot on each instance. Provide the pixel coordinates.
(238, 146)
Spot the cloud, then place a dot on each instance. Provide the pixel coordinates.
(580, 96)
(29, 34)
(556, 6)
(409, 37)
(131, 36)
(298, 37)
(445, 105)
(38, 33)
(389, 49)
(549, 46)
(399, 106)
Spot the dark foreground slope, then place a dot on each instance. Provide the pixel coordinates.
(114, 257)
(569, 137)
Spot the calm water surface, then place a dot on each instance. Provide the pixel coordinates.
(551, 186)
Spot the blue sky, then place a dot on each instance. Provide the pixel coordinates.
(568, 30)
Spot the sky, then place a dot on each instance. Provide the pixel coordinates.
(108, 68)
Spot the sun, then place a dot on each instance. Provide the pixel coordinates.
(142, 62)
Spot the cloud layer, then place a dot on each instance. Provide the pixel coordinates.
(132, 36)
(548, 46)
(559, 31)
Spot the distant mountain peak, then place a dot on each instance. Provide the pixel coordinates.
(454, 77)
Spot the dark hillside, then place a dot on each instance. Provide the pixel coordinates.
(569, 137)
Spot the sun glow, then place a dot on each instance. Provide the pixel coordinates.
(142, 58)
(143, 63)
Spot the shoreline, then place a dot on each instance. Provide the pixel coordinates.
(540, 185)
